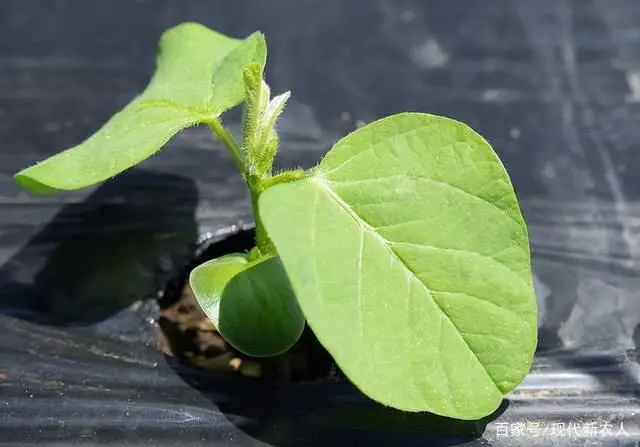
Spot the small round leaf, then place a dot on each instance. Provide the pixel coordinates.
(251, 303)
(209, 279)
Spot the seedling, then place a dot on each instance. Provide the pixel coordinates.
(404, 249)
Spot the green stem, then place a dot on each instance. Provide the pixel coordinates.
(283, 177)
(263, 242)
(255, 182)
(230, 142)
(257, 185)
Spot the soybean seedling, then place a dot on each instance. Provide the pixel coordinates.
(404, 249)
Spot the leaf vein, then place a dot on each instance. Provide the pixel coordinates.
(322, 183)
(484, 300)
(372, 146)
(501, 339)
(428, 179)
(462, 251)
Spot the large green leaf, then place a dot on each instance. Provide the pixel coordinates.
(198, 77)
(409, 257)
(250, 302)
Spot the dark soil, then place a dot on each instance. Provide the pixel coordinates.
(187, 334)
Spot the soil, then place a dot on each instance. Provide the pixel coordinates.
(187, 334)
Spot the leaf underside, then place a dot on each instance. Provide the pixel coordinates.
(198, 77)
(410, 259)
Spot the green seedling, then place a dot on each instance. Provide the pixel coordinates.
(404, 249)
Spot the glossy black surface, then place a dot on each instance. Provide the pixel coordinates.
(554, 85)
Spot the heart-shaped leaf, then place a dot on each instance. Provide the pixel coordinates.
(250, 302)
(410, 259)
(198, 77)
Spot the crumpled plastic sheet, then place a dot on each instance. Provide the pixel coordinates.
(551, 84)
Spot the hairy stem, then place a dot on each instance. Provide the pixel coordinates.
(283, 177)
(263, 242)
(254, 182)
(230, 142)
